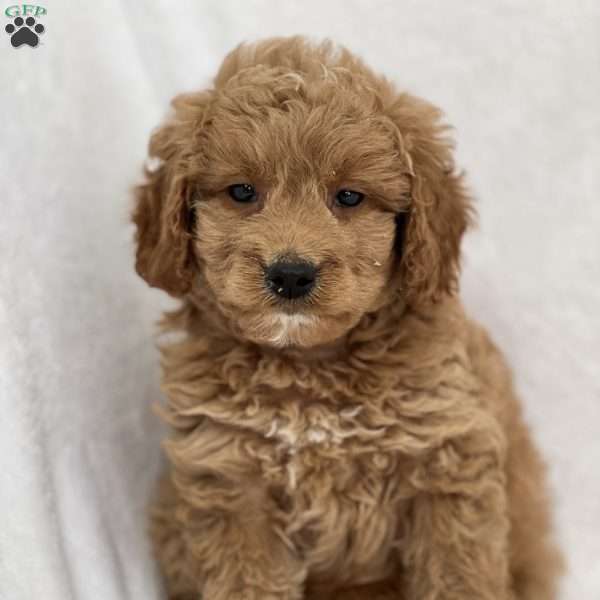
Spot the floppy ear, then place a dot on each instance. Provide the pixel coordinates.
(440, 210)
(162, 212)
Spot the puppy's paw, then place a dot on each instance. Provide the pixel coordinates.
(374, 591)
(257, 594)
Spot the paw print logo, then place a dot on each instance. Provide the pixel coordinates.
(24, 32)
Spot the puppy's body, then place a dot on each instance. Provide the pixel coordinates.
(366, 440)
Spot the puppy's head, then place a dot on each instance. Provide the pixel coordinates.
(302, 192)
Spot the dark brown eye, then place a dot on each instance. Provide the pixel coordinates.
(242, 192)
(349, 198)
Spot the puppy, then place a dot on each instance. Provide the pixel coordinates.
(340, 428)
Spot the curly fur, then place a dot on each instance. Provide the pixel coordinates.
(365, 442)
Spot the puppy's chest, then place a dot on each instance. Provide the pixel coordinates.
(304, 440)
(337, 483)
(332, 470)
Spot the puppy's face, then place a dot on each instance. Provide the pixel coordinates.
(296, 209)
(291, 196)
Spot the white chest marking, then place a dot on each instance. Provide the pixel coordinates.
(287, 325)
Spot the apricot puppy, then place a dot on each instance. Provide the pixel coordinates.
(340, 428)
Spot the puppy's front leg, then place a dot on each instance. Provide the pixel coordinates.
(226, 539)
(457, 548)
(241, 558)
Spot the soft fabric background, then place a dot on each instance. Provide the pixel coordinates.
(79, 447)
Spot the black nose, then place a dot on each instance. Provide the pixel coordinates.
(292, 279)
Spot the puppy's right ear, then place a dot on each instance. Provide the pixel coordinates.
(162, 212)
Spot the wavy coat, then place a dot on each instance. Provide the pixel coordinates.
(367, 443)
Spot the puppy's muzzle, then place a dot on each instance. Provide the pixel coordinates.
(290, 279)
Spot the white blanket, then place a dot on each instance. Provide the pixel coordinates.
(79, 446)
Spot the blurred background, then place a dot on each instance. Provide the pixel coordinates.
(79, 446)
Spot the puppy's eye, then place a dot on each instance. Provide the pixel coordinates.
(349, 198)
(242, 192)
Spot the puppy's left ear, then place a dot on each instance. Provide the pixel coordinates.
(163, 212)
(441, 209)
